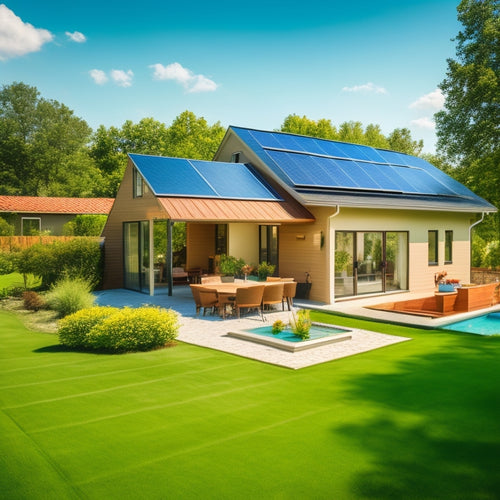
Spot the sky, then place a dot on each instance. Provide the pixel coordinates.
(249, 64)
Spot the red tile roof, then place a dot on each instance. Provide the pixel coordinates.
(52, 205)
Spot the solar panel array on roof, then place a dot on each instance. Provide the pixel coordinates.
(318, 164)
(204, 179)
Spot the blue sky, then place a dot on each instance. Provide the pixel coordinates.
(240, 63)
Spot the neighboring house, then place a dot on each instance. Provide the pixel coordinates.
(356, 219)
(31, 214)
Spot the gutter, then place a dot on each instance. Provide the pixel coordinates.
(330, 246)
(470, 241)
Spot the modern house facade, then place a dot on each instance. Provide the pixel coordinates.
(36, 214)
(353, 219)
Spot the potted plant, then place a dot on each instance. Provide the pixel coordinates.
(229, 267)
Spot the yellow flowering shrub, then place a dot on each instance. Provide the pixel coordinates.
(139, 329)
(74, 329)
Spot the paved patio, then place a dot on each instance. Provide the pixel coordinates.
(211, 331)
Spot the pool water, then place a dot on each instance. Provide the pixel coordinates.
(316, 332)
(488, 324)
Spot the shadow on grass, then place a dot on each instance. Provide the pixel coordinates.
(433, 430)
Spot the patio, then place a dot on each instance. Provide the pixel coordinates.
(211, 331)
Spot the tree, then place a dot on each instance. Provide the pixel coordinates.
(302, 125)
(192, 137)
(400, 140)
(468, 127)
(38, 139)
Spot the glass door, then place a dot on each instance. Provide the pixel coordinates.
(268, 246)
(369, 263)
(136, 255)
(344, 264)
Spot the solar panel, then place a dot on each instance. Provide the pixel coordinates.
(306, 162)
(181, 177)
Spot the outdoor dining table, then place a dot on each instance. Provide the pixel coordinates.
(227, 290)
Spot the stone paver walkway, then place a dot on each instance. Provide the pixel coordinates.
(211, 331)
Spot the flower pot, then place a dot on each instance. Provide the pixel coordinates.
(443, 287)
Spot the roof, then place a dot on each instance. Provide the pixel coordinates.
(195, 190)
(55, 205)
(324, 172)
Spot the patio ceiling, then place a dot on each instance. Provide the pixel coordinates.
(224, 210)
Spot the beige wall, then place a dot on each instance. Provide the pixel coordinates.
(243, 242)
(200, 241)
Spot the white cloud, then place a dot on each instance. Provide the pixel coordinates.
(98, 76)
(122, 78)
(424, 122)
(17, 37)
(191, 82)
(76, 36)
(432, 100)
(367, 87)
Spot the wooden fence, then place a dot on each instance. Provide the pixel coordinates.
(10, 243)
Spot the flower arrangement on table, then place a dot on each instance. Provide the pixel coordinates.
(246, 270)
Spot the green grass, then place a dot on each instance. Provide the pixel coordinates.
(419, 419)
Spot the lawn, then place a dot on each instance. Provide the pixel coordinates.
(419, 419)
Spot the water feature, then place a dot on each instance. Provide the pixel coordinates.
(320, 334)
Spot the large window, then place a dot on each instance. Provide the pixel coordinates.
(268, 246)
(220, 239)
(448, 247)
(432, 248)
(31, 226)
(136, 255)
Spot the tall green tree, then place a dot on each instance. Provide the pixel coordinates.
(468, 128)
(38, 140)
(192, 137)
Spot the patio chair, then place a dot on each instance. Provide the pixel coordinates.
(225, 299)
(273, 294)
(249, 298)
(179, 275)
(208, 300)
(196, 296)
(289, 291)
(210, 279)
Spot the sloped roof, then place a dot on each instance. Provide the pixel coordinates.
(55, 205)
(323, 172)
(194, 190)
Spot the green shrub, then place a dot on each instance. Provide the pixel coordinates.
(74, 329)
(7, 262)
(85, 225)
(264, 270)
(6, 229)
(32, 301)
(278, 326)
(140, 329)
(70, 295)
(77, 258)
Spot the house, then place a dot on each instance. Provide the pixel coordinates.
(31, 214)
(355, 219)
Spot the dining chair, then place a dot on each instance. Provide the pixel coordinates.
(210, 279)
(208, 300)
(289, 291)
(196, 296)
(249, 298)
(273, 294)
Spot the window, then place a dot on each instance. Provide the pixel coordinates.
(31, 226)
(138, 184)
(220, 239)
(448, 247)
(433, 247)
(235, 157)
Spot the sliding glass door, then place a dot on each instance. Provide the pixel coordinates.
(370, 262)
(136, 255)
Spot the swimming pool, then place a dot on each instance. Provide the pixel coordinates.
(487, 324)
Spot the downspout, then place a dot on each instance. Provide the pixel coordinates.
(169, 258)
(470, 242)
(331, 245)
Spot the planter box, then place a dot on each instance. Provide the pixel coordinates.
(446, 288)
(303, 290)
